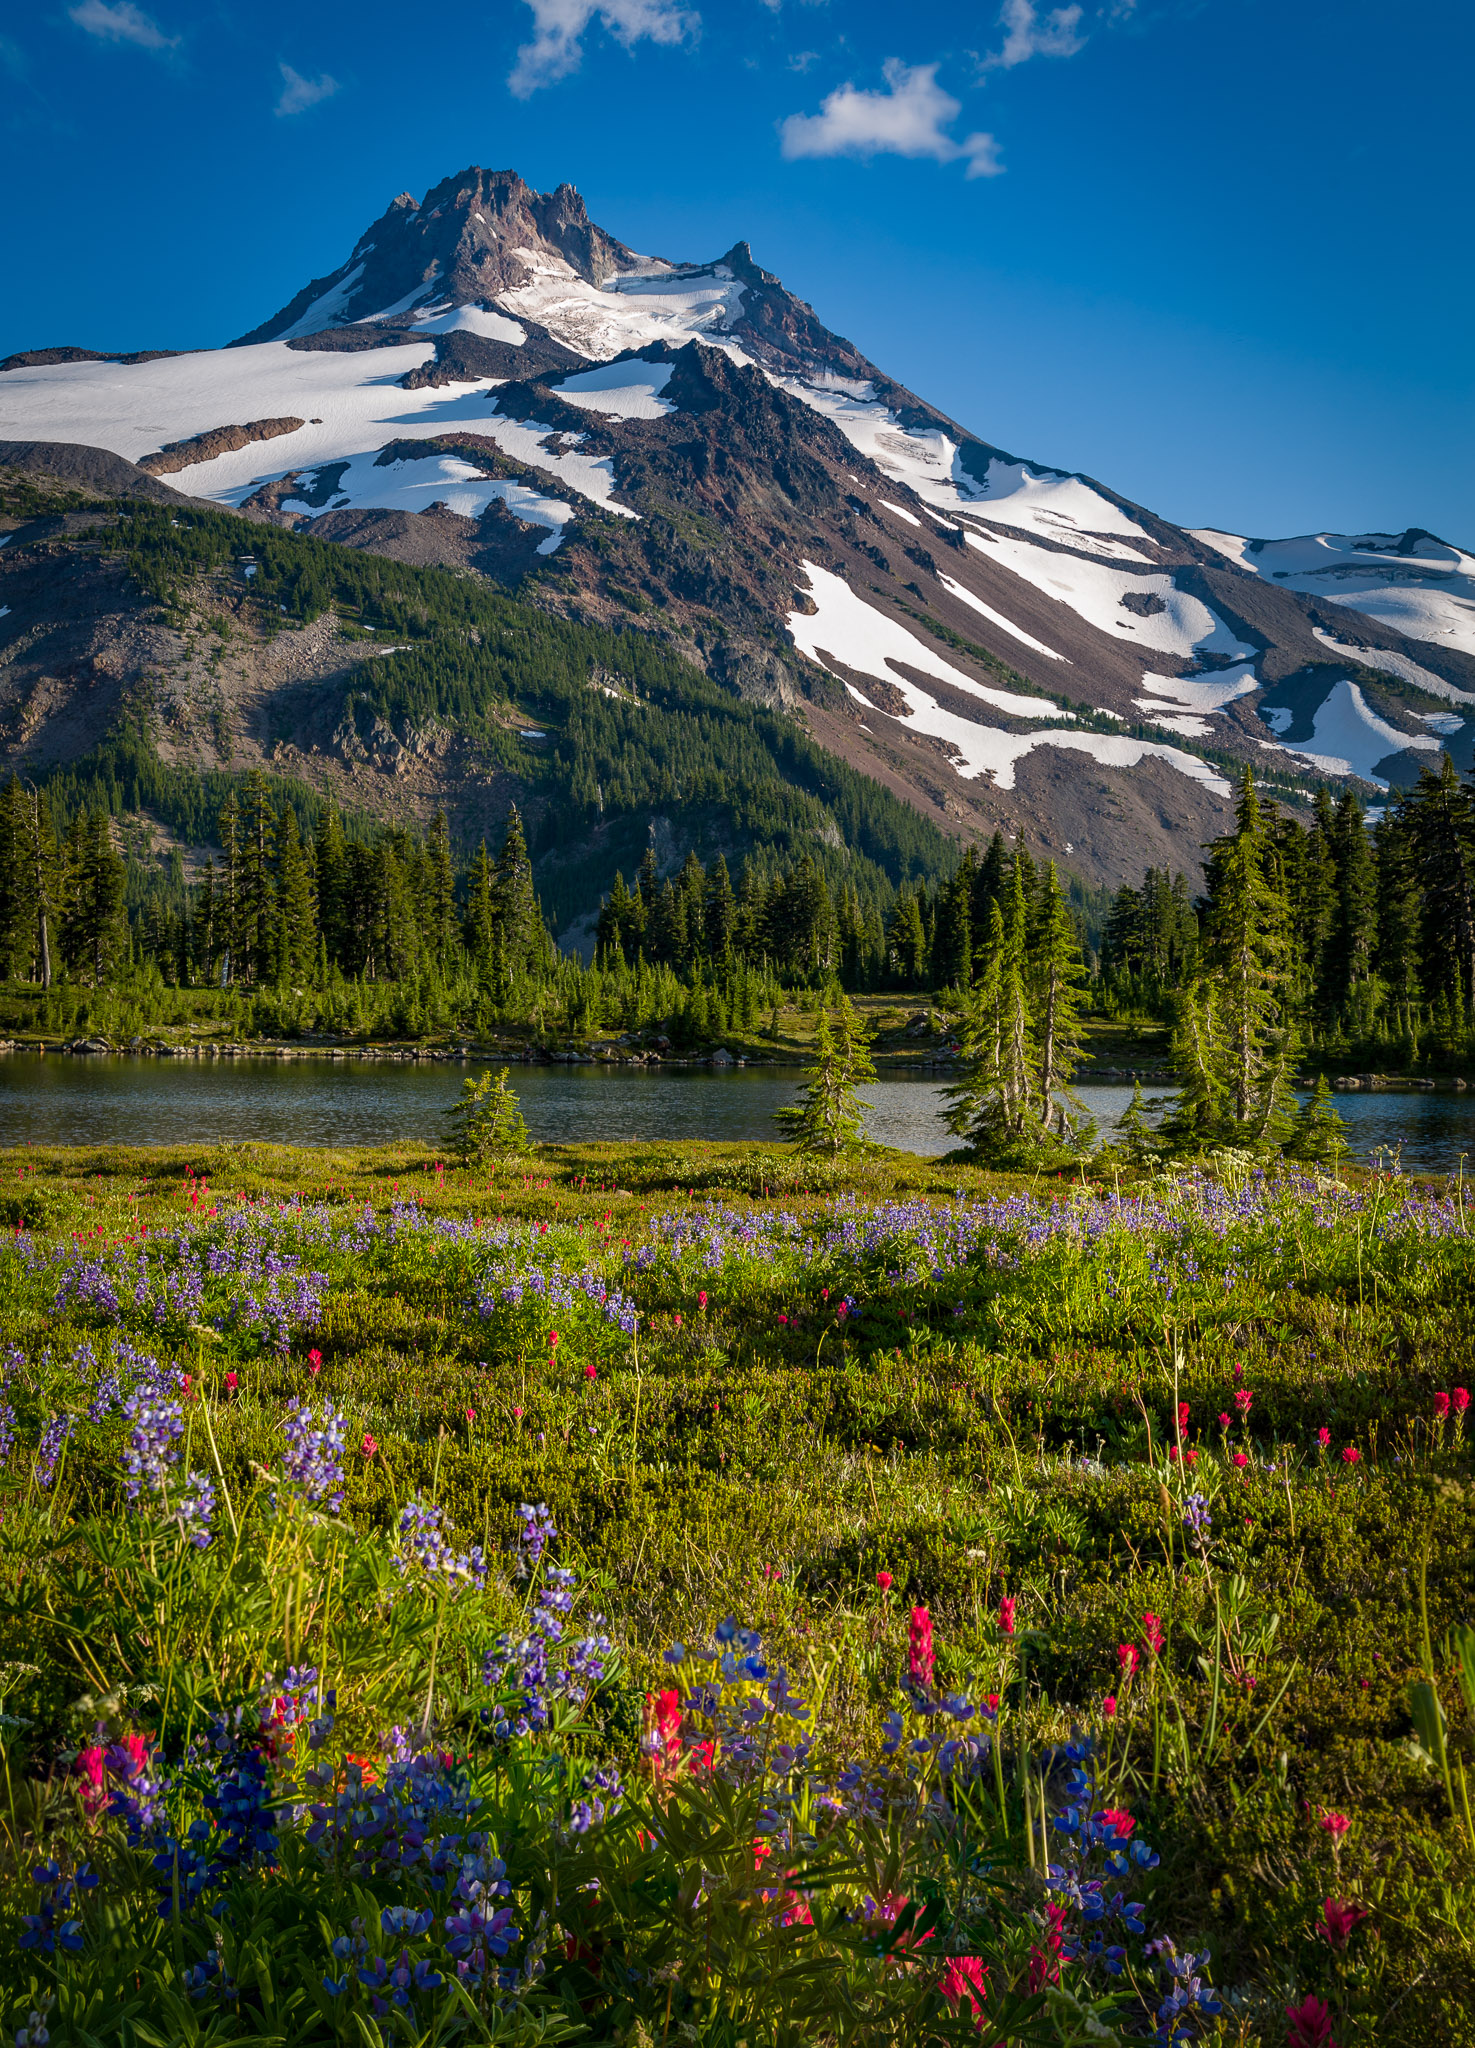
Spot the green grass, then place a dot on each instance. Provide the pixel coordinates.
(998, 1419)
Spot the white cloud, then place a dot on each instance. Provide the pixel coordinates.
(910, 118)
(557, 47)
(1028, 34)
(122, 23)
(299, 93)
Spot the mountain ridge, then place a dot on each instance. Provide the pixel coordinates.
(493, 382)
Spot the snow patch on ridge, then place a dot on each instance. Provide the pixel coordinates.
(472, 320)
(1349, 738)
(626, 391)
(855, 634)
(998, 619)
(1184, 625)
(628, 310)
(1184, 704)
(412, 486)
(1427, 592)
(1397, 665)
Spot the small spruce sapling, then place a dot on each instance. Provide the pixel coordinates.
(486, 1120)
(1320, 1136)
(829, 1117)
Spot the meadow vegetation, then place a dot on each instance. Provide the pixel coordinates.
(714, 1594)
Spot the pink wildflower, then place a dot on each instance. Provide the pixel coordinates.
(919, 1647)
(1334, 1824)
(1126, 1656)
(591, 1371)
(1461, 1400)
(369, 1445)
(1108, 1706)
(1323, 1437)
(964, 1978)
(1242, 1400)
(701, 1301)
(1339, 1921)
(1309, 2024)
(1223, 1421)
(884, 1581)
(1152, 1633)
(230, 1383)
(1441, 1407)
(1006, 1614)
(1241, 1460)
(1350, 1454)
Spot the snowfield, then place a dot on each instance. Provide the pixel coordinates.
(626, 391)
(855, 634)
(998, 619)
(1184, 626)
(353, 402)
(1398, 665)
(865, 640)
(1427, 593)
(627, 311)
(1184, 704)
(1349, 738)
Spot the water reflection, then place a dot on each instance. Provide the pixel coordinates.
(58, 1099)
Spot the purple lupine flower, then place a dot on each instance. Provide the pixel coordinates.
(313, 1459)
(423, 1531)
(158, 1424)
(536, 1534)
(194, 1510)
(48, 1451)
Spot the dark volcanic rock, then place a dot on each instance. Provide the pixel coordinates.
(177, 455)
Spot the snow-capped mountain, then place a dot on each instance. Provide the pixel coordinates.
(491, 380)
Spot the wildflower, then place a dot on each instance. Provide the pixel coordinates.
(1223, 1421)
(676, 1321)
(701, 1301)
(1441, 1407)
(1241, 1460)
(1006, 1614)
(964, 1978)
(1350, 1454)
(591, 1371)
(1120, 1823)
(369, 1446)
(1197, 1518)
(1108, 1706)
(553, 1340)
(919, 1647)
(1460, 1399)
(1126, 1656)
(1309, 2025)
(1182, 1417)
(1334, 1824)
(1339, 1921)
(1323, 1438)
(1044, 1960)
(157, 1428)
(314, 1359)
(1152, 1633)
(1242, 1399)
(662, 1738)
(311, 1459)
(230, 1383)
(517, 1415)
(471, 1415)
(884, 1581)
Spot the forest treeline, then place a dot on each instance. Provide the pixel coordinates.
(1369, 935)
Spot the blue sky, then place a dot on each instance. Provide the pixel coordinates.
(1216, 253)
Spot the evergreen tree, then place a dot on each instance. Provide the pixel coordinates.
(992, 1106)
(96, 933)
(440, 896)
(1352, 938)
(1134, 1134)
(1246, 947)
(256, 905)
(519, 928)
(720, 912)
(906, 942)
(1320, 1136)
(229, 828)
(480, 926)
(297, 934)
(829, 1117)
(330, 860)
(1055, 972)
(486, 1120)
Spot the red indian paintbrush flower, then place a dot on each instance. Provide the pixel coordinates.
(1152, 1633)
(919, 1647)
(1006, 1614)
(1340, 1920)
(1309, 2025)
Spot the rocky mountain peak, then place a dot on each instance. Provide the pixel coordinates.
(472, 237)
